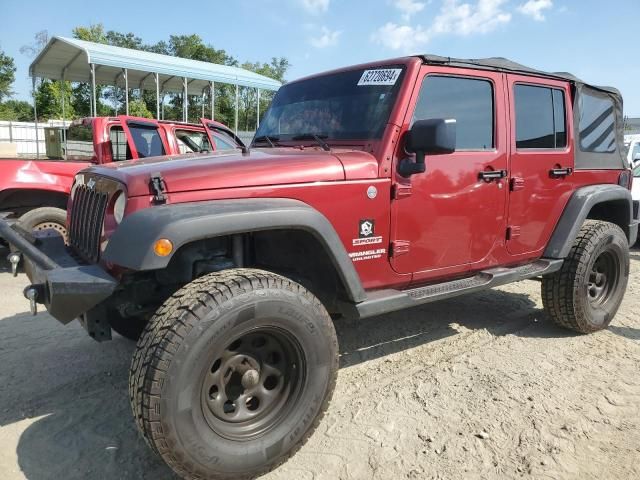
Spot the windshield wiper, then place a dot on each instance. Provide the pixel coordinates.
(317, 138)
(270, 139)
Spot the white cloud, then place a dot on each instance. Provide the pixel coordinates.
(327, 38)
(316, 6)
(465, 18)
(400, 37)
(454, 18)
(534, 8)
(408, 8)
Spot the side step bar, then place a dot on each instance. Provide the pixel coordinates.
(385, 301)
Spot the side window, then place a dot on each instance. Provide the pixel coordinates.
(80, 142)
(119, 147)
(147, 140)
(540, 117)
(191, 141)
(597, 124)
(468, 101)
(223, 142)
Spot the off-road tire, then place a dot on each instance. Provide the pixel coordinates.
(566, 293)
(175, 351)
(45, 218)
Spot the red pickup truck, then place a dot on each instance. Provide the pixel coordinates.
(36, 191)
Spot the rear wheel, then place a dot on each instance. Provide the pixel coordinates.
(585, 294)
(233, 374)
(51, 220)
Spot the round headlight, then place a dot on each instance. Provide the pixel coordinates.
(119, 206)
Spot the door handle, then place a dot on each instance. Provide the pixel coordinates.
(488, 175)
(560, 172)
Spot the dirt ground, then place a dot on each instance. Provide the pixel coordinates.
(482, 386)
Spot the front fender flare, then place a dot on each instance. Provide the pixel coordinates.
(131, 245)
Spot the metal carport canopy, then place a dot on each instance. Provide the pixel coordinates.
(71, 59)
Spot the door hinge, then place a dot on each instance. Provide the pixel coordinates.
(158, 188)
(399, 247)
(513, 232)
(400, 191)
(517, 183)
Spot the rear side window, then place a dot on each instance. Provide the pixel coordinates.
(540, 117)
(192, 141)
(468, 101)
(147, 140)
(597, 124)
(80, 142)
(119, 147)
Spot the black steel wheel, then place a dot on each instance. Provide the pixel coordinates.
(233, 374)
(603, 279)
(585, 294)
(253, 383)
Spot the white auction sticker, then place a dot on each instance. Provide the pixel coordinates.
(383, 76)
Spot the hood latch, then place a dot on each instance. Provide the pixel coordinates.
(158, 188)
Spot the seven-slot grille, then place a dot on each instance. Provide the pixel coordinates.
(87, 218)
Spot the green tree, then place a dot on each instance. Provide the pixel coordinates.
(7, 75)
(138, 108)
(50, 98)
(16, 110)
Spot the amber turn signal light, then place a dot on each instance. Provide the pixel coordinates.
(163, 247)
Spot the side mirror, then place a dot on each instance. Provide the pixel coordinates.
(434, 136)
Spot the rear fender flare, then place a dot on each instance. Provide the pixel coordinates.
(580, 204)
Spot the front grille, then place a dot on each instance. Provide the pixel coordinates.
(85, 224)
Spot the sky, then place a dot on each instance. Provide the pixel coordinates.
(593, 39)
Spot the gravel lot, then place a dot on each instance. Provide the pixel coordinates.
(482, 386)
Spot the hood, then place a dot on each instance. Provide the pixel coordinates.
(275, 166)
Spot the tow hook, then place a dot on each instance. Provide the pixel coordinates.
(31, 294)
(14, 259)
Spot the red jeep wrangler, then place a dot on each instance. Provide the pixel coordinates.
(36, 191)
(368, 189)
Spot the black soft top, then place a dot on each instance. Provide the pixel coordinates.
(598, 117)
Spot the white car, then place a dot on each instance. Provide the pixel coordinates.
(632, 142)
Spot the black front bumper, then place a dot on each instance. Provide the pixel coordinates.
(67, 288)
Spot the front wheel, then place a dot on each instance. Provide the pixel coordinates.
(233, 374)
(585, 294)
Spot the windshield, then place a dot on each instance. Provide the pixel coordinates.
(636, 171)
(635, 152)
(352, 105)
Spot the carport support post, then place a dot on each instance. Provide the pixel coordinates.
(213, 101)
(157, 76)
(237, 99)
(203, 101)
(35, 115)
(258, 113)
(185, 101)
(125, 73)
(64, 129)
(93, 89)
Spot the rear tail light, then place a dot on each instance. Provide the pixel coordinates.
(625, 179)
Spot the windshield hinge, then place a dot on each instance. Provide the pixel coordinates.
(399, 247)
(158, 188)
(400, 191)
